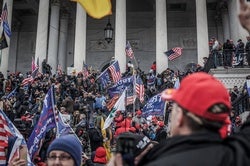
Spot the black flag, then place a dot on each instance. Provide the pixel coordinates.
(3, 42)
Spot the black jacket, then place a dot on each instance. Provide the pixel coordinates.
(202, 149)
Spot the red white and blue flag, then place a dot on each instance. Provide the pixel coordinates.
(59, 69)
(85, 70)
(9, 131)
(139, 89)
(33, 64)
(129, 51)
(174, 53)
(31, 78)
(4, 19)
(115, 71)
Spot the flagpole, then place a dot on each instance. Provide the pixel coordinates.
(54, 110)
(134, 93)
(164, 115)
(125, 112)
(1, 58)
(136, 62)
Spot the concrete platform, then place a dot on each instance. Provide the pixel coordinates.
(231, 76)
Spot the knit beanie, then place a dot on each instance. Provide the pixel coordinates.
(69, 144)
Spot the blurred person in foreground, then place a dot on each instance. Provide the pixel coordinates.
(199, 118)
(142, 146)
(244, 15)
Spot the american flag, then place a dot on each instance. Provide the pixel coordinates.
(59, 69)
(9, 131)
(33, 65)
(174, 53)
(139, 89)
(115, 71)
(112, 102)
(85, 70)
(130, 100)
(31, 78)
(3, 141)
(129, 51)
(4, 19)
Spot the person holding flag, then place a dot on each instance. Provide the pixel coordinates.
(15, 151)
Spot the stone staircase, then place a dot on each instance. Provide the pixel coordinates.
(232, 76)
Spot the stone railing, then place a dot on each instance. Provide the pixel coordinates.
(231, 77)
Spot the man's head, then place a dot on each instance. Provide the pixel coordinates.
(138, 113)
(66, 150)
(201, 102)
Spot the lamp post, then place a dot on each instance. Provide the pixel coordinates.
(108, 32)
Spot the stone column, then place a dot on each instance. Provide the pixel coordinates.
(62, 50)
(237, 32)
(80, 38)
(4, 53)
(53, 35)
(161, 36)
(120, 34)
(202, 30)
(42, 32)
(225, 24)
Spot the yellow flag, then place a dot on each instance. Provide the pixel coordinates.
(106, 144)
(96, 8)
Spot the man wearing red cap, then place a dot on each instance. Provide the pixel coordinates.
(201, 108)
(138, 120)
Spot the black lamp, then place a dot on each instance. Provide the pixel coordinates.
(108, 32)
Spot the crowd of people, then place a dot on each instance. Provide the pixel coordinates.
(84, 103)
(229, 54)
(201, 123)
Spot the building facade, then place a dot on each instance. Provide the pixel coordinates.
(61, 32)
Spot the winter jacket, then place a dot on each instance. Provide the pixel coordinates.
(204, 148)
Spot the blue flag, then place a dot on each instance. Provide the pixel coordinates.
(119, 87)
(154, 106)
(62, 127)
(45, 123)
(12, 93)
(104, 78)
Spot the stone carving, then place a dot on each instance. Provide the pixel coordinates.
(100, 45)
(55, 2)
(189, 43)
(134, 44)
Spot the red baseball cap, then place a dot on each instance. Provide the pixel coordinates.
(198, 92)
